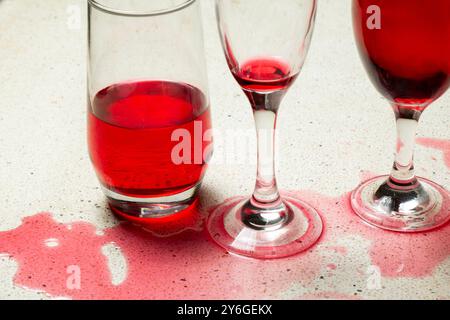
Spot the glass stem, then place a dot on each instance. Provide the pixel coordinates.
(266, 190)
(265, 111)
(265, 210)
(403, 175)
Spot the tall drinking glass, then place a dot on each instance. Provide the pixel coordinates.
(265, 43)
(405, 47)
(148, 114)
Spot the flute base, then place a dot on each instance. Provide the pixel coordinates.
(424, 207)
(301, 230)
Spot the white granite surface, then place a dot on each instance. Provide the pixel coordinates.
(333, 125)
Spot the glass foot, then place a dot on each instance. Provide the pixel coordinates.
(151, 208)
(425, 207)
(301, 228)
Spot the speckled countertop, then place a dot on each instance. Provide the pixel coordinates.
(58, 239)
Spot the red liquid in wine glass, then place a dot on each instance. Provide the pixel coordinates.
(264, 75)
(408, 57)
(130, 127)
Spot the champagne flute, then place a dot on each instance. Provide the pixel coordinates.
(265, 44)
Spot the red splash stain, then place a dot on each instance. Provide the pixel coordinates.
(338, 249)
(186, 266)
(439, 144)
(43, 267)
(396, 254)
(331, 266)
(189, 266)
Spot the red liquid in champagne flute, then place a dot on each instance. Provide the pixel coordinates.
(408, 54)
(264, 75)
(130, 127)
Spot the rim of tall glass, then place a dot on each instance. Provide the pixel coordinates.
(129, 13)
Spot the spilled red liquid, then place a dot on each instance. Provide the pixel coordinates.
(438, 144)
(396, 254)
(185, 266)
(188, 265)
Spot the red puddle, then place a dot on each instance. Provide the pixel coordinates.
(397, 255)
(439, 144)
(331, 266)
(190, 266)
(185, 266)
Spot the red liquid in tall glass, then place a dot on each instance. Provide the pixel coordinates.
(131, 142)
(405, 45)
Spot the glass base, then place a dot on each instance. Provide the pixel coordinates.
(297, 233)
(151, 208)
(422, 208)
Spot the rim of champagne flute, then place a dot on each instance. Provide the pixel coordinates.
(111, 10)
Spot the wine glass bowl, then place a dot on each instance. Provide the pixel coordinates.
(407, 54)
(265, 45)
(404, 46)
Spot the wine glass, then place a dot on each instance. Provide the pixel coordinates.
(148, 116)
(405, 47)
(265, 44)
